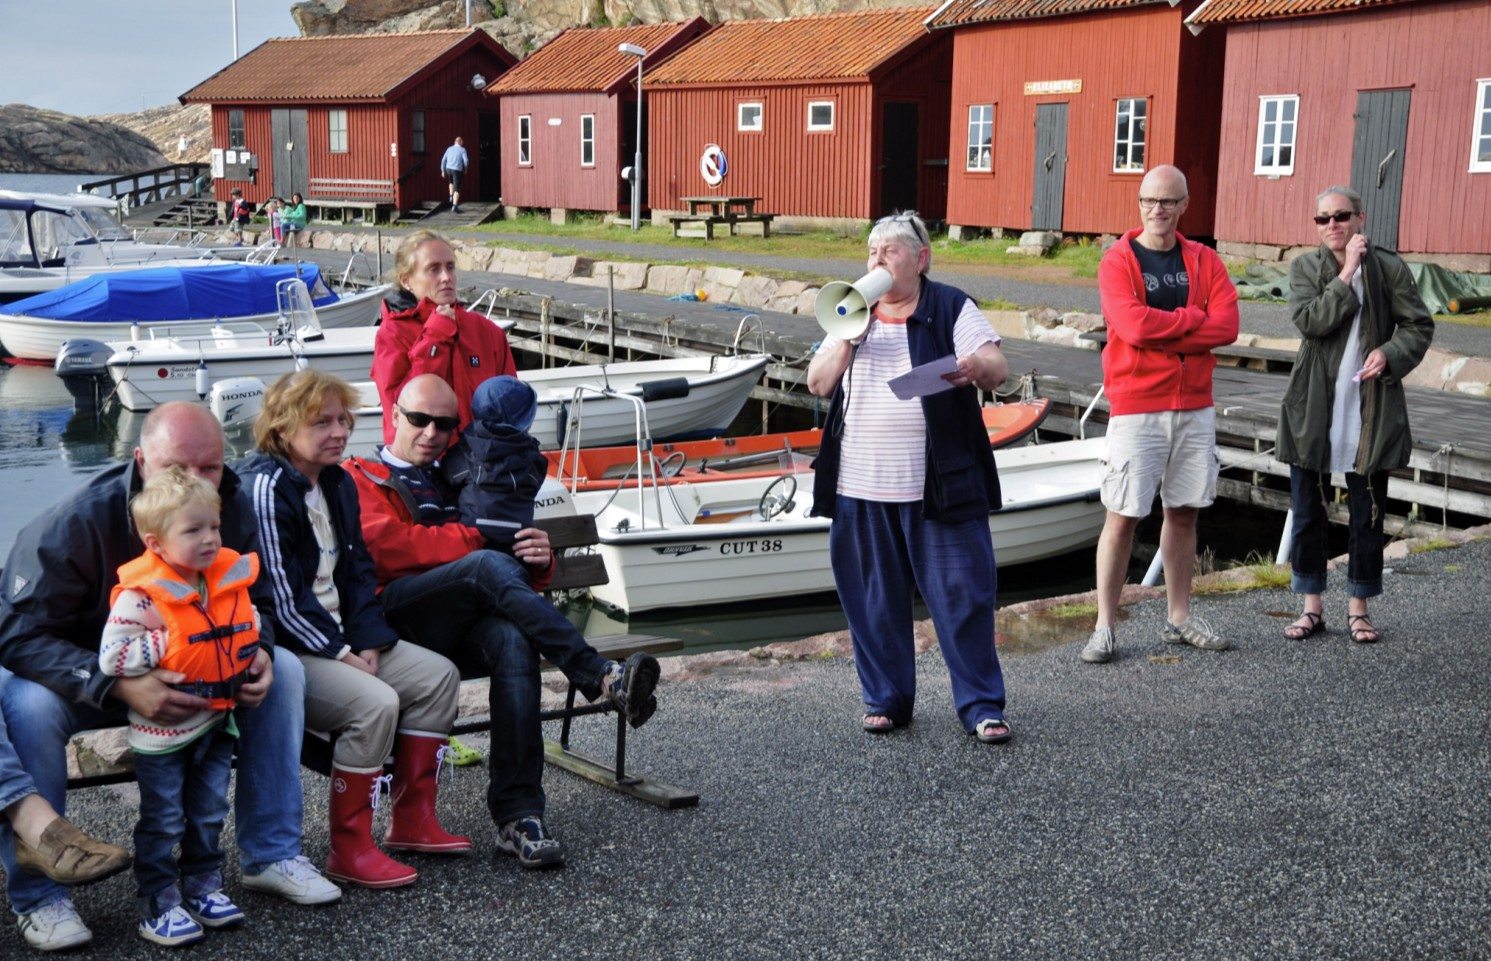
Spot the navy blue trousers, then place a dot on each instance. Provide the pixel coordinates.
(880, 554)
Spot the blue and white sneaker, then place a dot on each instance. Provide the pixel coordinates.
(533, 845)
(173, 929)
(214, 910)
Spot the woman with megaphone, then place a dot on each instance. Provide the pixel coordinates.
(910, 483)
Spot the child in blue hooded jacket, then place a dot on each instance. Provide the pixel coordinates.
(496, 466)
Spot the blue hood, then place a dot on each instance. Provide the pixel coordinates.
(173, 293)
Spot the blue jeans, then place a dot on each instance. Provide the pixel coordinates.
(183, 799)
(15, 783)
(268, 797)
(483, 614)
(882, 552)
(1366, 501)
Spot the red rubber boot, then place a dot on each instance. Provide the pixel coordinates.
(414, 827)
(355, 859)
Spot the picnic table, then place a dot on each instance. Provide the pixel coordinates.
(717, 209)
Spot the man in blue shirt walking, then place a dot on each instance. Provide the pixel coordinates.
(453, 169)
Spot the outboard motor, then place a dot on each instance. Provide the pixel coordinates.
(236, 403)
(553, 500)
(83, 365)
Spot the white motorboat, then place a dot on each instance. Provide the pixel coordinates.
(681, 544)
(160, 301)
(686, 397)
(120, 244)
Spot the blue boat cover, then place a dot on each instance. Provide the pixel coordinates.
(173, 293)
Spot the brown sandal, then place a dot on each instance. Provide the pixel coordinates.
(1315, 625)
(1362, 635)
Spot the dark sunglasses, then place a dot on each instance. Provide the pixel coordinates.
(1340, 217)
(419, 420)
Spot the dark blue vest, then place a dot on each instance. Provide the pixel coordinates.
(962, 482)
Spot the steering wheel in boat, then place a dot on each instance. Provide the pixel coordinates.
(774, 503)
(670, 466)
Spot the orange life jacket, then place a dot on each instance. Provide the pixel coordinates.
(213, 645)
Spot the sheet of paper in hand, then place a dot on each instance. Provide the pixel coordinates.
(924, 380)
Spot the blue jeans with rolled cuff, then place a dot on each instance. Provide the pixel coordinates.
(1310, 493)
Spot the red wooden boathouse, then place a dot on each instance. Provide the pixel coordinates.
(839, 117)
(1389, 97)
(1060, 106)
(569, 116)
(355, 122)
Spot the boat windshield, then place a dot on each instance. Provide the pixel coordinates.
(103, 222)
(297, 309)
(15, 242)
(54, 232)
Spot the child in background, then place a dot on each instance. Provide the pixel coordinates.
(183, 606)
(238, 215)
(496, 465)
(272, 205)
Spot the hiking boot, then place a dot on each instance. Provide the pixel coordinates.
(294, 879)
(533, 845)
(1198, 633)
(213, 910)
(1100, 647)
(630, 684)
(54, 927)
(174, 928)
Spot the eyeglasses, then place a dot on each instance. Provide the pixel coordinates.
(917, 229)
(1165, 203)
(1340, 217)
(419, 420)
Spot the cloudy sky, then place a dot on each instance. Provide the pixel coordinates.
(88, 57)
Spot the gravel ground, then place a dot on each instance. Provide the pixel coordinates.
(1301, 800)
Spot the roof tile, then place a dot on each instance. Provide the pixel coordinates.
(1236, 11)
(958, 12)
(581, 59)
(822, 47)
(364, 66)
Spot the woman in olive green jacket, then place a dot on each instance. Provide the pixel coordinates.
(1363, 328)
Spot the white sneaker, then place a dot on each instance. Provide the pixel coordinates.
(295, 880)
(1100, 647)
(55, 927)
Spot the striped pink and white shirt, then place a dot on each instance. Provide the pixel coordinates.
(884, 452)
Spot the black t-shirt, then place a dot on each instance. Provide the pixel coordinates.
(1166, 285)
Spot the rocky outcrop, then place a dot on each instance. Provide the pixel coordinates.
(44, 141)
(164, 127)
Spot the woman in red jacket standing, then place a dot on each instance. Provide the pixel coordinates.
(425, 330)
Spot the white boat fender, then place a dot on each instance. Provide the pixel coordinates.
(236, 402)
(553, 500)
(204, 382)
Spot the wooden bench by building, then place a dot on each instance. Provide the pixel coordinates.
(710, 221)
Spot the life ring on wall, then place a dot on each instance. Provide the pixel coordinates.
(712, 164)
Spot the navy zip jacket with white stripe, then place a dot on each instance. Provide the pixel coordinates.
(290, 555)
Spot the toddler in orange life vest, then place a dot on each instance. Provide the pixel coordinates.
(183, 606)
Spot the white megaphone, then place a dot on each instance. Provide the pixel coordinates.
(843, 310)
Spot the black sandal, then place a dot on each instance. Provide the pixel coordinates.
(1362, 635)
(1298, 632)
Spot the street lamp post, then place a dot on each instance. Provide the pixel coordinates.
(639, 53)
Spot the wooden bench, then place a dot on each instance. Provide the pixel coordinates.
(710, 221)
(572, 571)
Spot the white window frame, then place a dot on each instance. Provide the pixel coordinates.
(236, 130)
(1277, 125)
(978, 145)
(1125, 107)
(525, 140)
(587, 140)
(1481, 122)
(336, 134)
(831, 114)
(740, 118)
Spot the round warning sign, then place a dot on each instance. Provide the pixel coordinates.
(712, 165)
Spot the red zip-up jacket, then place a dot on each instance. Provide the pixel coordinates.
(1161, 359)
(412, 339)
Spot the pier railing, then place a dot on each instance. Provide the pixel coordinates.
(152, 186)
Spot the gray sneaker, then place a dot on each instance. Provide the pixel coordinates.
(1170, 634)
(1198, 633)
(1100, 647)
(296, 880)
